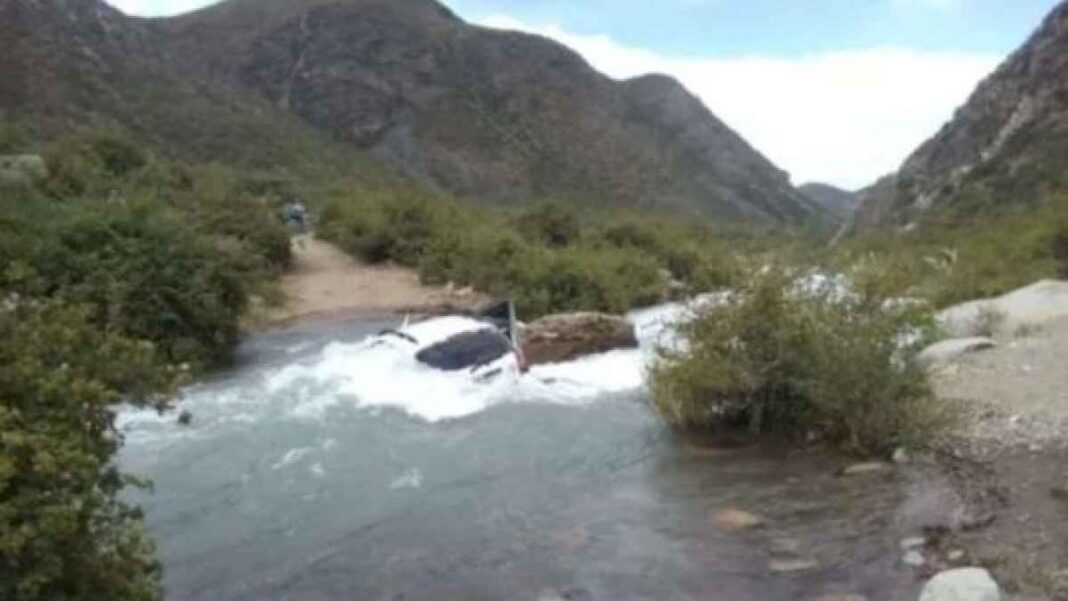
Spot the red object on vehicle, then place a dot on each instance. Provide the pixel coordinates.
(521, 359)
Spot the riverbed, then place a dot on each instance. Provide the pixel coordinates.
(314, 471)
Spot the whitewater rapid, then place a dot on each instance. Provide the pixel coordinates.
(374, 378)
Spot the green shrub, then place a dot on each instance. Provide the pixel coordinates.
(92, 162)
(548, 281)
(64, 532)
(552, 224)
(145, 274)
(786, 362)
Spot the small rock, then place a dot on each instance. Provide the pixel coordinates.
(863, 469)
(955, 555)
(914, 559)
(784, 546)
(1060, 493)
(962, 584)
(736, 519)
(916, 542)
(791, 566)
(901, 456)
(185, 418)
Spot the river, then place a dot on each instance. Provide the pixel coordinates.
(317, 470)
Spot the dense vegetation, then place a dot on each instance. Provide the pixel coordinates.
(550, 257)
(787, 356)
(957, 256)
(119, 275)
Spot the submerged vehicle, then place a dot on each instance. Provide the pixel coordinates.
(485, 344)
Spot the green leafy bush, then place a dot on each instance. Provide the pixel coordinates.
(787, 362)
(548, 258)
(64, 533)
(147, 275)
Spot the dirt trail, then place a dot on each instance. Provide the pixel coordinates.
(325, 283)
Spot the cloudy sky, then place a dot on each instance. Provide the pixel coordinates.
(831, 90)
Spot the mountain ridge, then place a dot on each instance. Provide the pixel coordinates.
(500, 116)
(1006, 146)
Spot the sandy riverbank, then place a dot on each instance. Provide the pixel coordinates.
(326, 284)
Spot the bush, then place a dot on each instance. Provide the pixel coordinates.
(64, 533)
(144, 274)
(788, 362)
(551, 224)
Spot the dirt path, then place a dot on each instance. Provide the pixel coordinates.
(325, 283)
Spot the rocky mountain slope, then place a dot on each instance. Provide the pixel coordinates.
(836, 201)
(1007, 145)
(499, 116)
(70, 64)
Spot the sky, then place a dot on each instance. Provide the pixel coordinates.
(837, 91)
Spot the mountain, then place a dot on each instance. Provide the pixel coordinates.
(836, 201)
(1007, 146)
(69, 64)
(484, 113)
(498, 116)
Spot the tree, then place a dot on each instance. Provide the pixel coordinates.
(64, 533)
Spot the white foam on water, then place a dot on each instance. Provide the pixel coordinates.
(382, 373)
(411, 478)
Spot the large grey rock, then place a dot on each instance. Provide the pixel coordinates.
(964, 584)
(22, 169)
(558, 338)
(953, 349)
(1033, 305)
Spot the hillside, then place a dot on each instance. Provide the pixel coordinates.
(1006, 147)
(496, 116)
(838, 202)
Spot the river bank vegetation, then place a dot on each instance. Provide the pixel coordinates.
(121, 275)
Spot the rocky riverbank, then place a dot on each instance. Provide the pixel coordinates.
(1007, 455)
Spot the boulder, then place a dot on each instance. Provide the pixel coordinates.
(558, 338)
(953, 349)
(964, 584)
(1034, 305)
(22, 169)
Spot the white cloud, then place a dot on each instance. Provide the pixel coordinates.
(844, 117)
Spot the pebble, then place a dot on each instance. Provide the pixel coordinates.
(737, 519)
(914, 559)
(955, 555)
(915, 542)
(962, 584)
(785, 546)
(901, 456)
(862, 469)
(791, 566)
(1060, 493)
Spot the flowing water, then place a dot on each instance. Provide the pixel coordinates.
(320, 469)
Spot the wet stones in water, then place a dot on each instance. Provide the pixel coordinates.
(185, 418)
(734, 520)
(963, 584)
